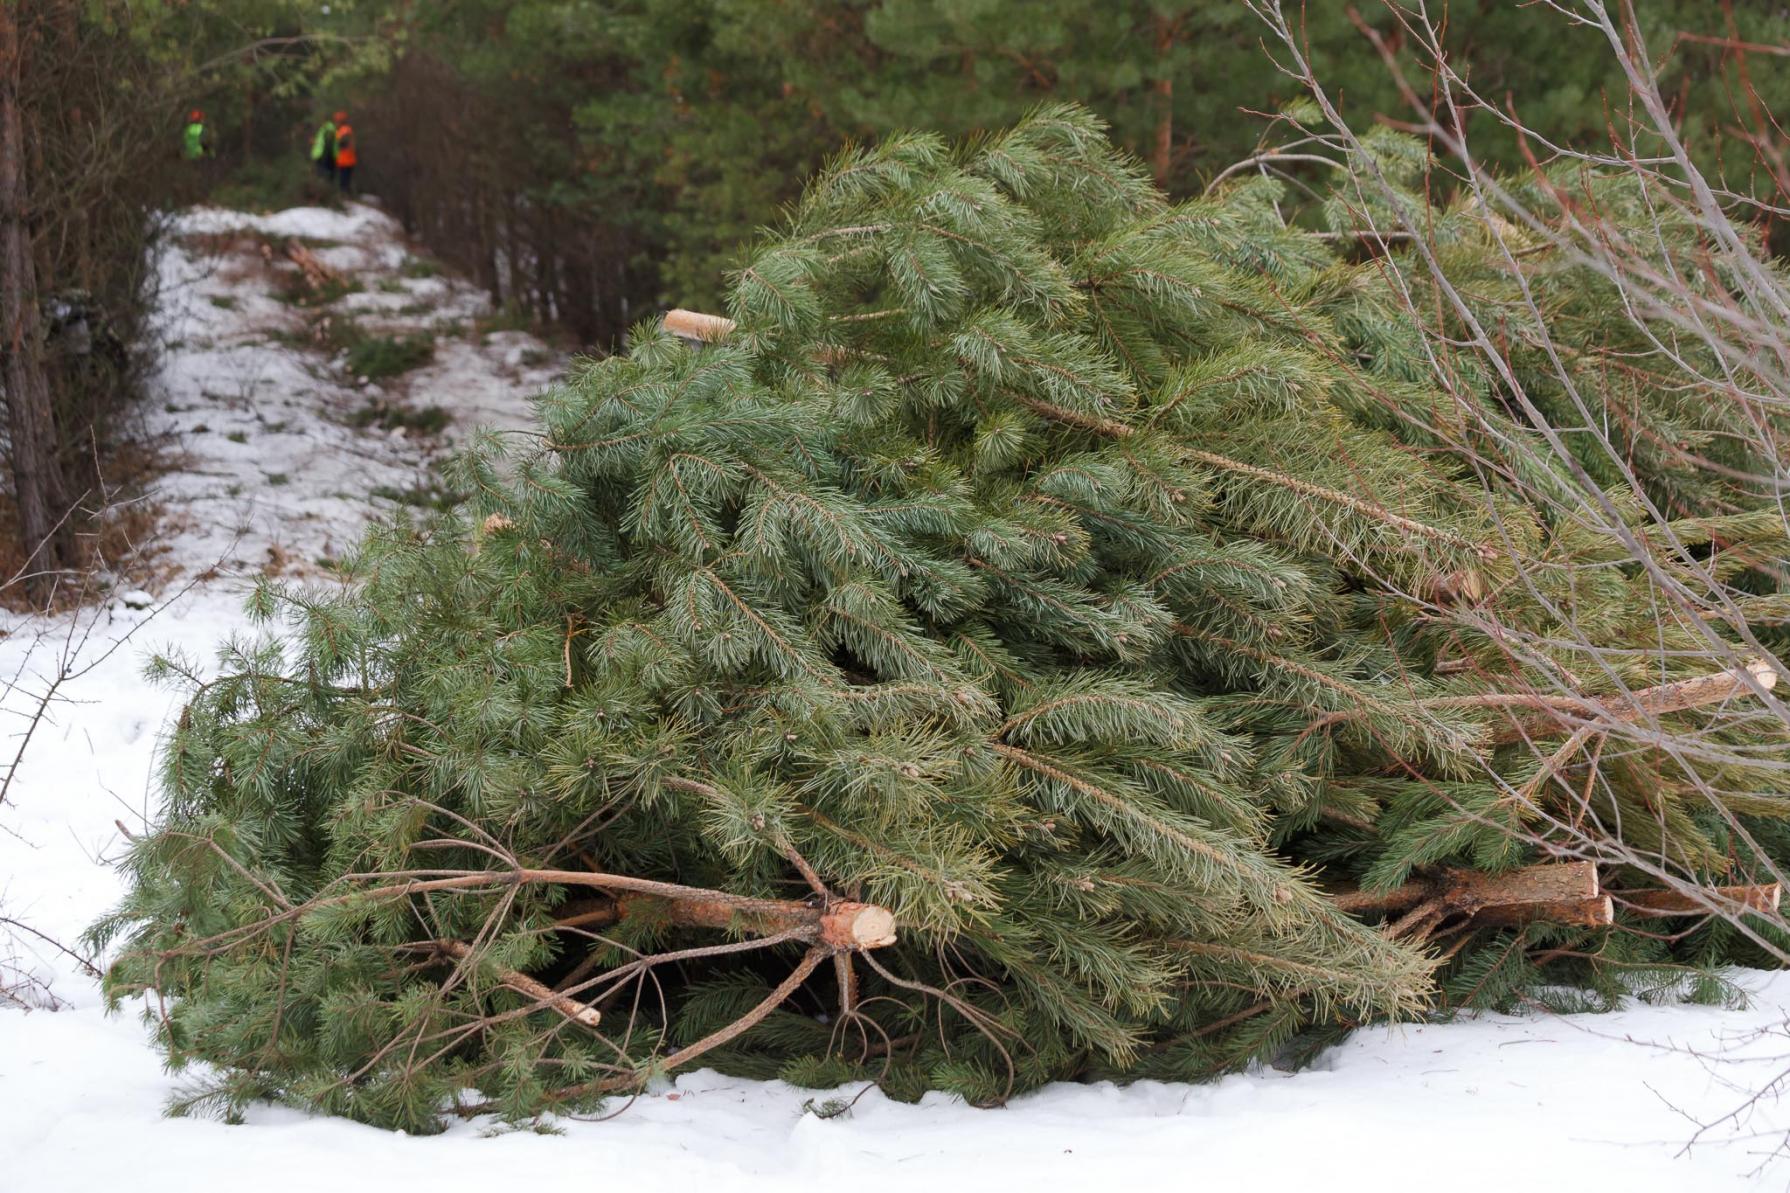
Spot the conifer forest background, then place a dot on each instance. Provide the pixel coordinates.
(1075, 542)
(591, 161)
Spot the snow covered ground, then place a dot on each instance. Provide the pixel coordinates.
(273, 474)
(283, 454)
(1498, 1104)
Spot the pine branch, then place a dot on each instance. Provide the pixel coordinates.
(543, 995)
(842, 925)
(852, 926)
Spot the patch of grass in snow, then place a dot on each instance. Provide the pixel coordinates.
(333, 332)
(237, 437)
(427, 420)
(377, 357)
(223, 302)
(510, 318)
(391, 286)
(420, 267)
(426, 497)
(339, 333)
(300, 293)
(290, 338)
(273, 184)
(831, 1108)
(276, 479)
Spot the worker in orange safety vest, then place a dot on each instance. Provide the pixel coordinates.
(346, 157)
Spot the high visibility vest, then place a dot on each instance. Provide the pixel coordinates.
(345, 146)
(325, 140)
(192, 141)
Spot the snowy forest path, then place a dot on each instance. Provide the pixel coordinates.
(290, 414)
(274, 454)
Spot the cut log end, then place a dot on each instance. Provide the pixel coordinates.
(1464, 892)
(1595, 912)
(853, 927)
(694, 325)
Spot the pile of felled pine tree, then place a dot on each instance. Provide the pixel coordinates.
(1037, 635)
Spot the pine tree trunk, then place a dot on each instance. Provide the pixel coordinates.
(1164, 90)
(37, 481)
(248, 123)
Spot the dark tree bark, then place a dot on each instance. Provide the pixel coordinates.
(37, 477)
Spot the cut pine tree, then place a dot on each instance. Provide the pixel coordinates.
(955, 674)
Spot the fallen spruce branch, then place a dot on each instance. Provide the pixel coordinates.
(835, 928)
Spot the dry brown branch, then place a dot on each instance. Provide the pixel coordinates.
(570, 1007)
(811, 961)
(317, 274)
(1725, 346)
(1747, 680)
(1718, 900)
(850, 926)
(843, 926)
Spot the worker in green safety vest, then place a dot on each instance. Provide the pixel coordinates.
(192, 140)
(323, 150)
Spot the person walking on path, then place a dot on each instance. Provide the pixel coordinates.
(323, 150)
(192, 138)
(346, 157)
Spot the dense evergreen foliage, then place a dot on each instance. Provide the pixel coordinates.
(1089, 579)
